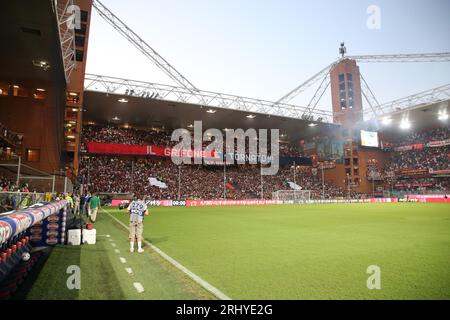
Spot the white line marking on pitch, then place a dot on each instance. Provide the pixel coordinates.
(123, 260)
(129, 271)
(209, 287)
(117, 251)
(113, 244)
(138, 286)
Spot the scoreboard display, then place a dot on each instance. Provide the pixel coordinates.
(369, 139)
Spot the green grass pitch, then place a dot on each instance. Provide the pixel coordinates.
(310, 251)
(267, 252)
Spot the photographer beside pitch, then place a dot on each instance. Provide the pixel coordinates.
(137, 209)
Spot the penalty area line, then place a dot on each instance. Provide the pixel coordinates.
(203, 283)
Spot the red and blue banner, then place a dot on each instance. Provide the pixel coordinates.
(19, 221)
(157, 151)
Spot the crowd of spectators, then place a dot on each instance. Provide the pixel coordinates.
(435, 158)
(428, 158)
(119, 175)
(422, 157)
(124, 175)
(289, 150)
(106, 174)
(8, 185)
(13, 197)
(423, 136)
(132, 136)
(373, 170)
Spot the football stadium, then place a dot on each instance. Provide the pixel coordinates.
(154, 189)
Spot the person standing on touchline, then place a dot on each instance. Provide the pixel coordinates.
(137, 209)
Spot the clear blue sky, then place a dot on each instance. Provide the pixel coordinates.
(263, 49)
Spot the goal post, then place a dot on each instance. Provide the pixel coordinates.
(292, 195)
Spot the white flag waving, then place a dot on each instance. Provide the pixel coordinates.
(156, 183)
(294, 186)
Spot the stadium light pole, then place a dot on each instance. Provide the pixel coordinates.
(224, 180)
(295, 169)
(323, 183)
(262, 184)
(88, 173)
(132, 176)
(372, 175)
(373, 187)
(19, 162)
(179, 182)
(348, 183)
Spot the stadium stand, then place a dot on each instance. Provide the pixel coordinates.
(67, 136)
(428, 158)
(120, 175)
(422, 136)
(132, 136)
(115, 175)
(419, 162)
(123, 175)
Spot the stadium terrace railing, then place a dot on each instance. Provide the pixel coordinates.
(10, 201)
(13, 169)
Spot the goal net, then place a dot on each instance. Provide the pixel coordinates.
(292, 195)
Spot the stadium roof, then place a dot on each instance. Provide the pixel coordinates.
(29, 38)
(421, 117)
(102, 108)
